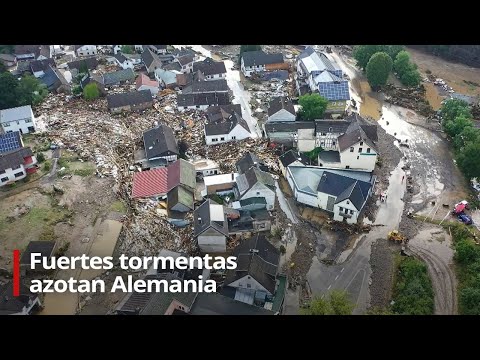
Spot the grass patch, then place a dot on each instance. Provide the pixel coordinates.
(84, 172)
(118, 206)
(413, 292)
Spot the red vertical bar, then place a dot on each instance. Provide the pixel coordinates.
(16, 272)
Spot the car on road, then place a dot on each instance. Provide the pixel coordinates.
(467, 220)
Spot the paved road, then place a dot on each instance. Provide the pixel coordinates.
(354, 273)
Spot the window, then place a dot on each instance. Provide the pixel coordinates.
(348, 202)
(322, 143)
(15, 167)
(258, 192)
(330, 129)
(17, 175)
(368, 150)
(351, 149)
(324, 134)
(361, 143)
(18, 122)
(358, 157)
(28, 120)
(6, 124)
(4, 179)
(341, 208)
(2, 172)
(185, 107)
(234, 137)
(360, 150)
(249, 286)
(214, 139)
(222, 139)
(334, 143)
(197, 106)
(347, 167)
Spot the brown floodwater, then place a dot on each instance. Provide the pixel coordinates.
(432, 95)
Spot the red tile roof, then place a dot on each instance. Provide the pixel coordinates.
(145, 80)
(150, 183)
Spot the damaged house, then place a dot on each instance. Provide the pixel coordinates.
(144, 83)
(131, 101)
(38, 67)
(248, 161)
(211, 227)
(292, 158)
(25, 304)
(118, 77)
(201, 101)
(259, 61)
(160, 147)
(225, 123)
(342, 193)
(249, 215)
(256, 183)
(85, 50)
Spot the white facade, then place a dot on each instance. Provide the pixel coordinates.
(18, 119)
(206, 167)
(237, 133)
(345, 210)
(139, 48)
(327, 141)
(260, 190)
(86, 50)
(305, 140)
(247, 70)
(117, 49)
(282, 115)
(38, 74)
(359, 157)
(126, 64)
(248, 282)
(212, 243)
(9, 176)
(283, 169)
(153, 89)
(186, 68)
(193, 107)
(215, 76)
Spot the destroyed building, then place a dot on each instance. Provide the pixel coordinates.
(201, 101)
(131, 101)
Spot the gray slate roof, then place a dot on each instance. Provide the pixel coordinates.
(42, 247)
(262, 265)
(222, 112)
(148, 57)
(259, 57)
(203, 212)
(289, 126)
(279, 103)
(118, 76)
(210, 67)
(14, 158)
(120, 57)
(207, 86)
(292, 156)
(246, 181)
(223, 128)
(247, 161)
(10, 304)
(332, 126)
(160, 141)
(41, 65)
(185, 59)
(130, 98)
(203, 99)
(90, 62)
(17, 113)
(217, 304)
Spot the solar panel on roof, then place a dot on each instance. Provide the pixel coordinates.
(10, 141)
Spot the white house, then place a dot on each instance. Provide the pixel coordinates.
(85, 50)
(256, 183)
(259, 61)
(210, 69)
(138, 48)
(117, 49)
(144, 83)
(186, 62)
(281, 109)
(221, 184)
(232, 129)
(206, 167)
(211, 227)
(342, 193)
(16, 164)
(158, 49)
(123, 62)
(18, 119)
(291, 158)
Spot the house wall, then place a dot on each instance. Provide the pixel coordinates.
(328, 141)
(169, 158)
(143, 106)
(212, 243)
(120, 109)
(260, 190)
(127, 64)
(347, 206)
(208, 172)
(277, 66)
(248, 282)
(306, 140)
(282, 115)
(337, 106)
(153, 89)
(187, 68)
(307, 199)
(175, 304)
(215, 76)
(180, 207)
(359, 160)
(237, 133)
(248, 70)
(21, 125)
(282, 137)
(323, 200)
(8, 175)
(193, 107)
(86, 50)
(213, 189)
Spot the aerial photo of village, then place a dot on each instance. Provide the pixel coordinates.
(342, 178)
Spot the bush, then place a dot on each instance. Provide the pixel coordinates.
(466, 252)
(337, 303)
(47, 166)
(91, 92)
(283, 249)
(40, 157)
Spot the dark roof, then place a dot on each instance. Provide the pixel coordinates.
(247, 161)
(292, 156)
(43, 247)
(53, 79)
(90, 62)
(203, 213)
(10, 304)
(258, 258)
(182, 52)
(148, 57)
(160, 47)
(351, 137)
(203, 99)
(207, 86)
(41, 65)
(185, 59)
(173, 66)
(209, 67)
(14, 158)
(10, 141)
(357, 193)
(259, 57)
(120, 57)
(279, 103)
(247, 180)
(160, 141)
(217, 304)
(180, 195)
(27, 49)
(119, 76)
(289, 126)
(332, 126)
(222, 112)
(329, 156)
(181, 172)
(343, 187)
(130, 98)
(220, 128)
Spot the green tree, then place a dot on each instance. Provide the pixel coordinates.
(2, 68)
(452, 108)
(83, 68)
(6, 49)
(470, 301)
(313, 106)
(468, 160)
(469, 134)
(8, 91)
(465, 252)
(363, 53)
(458, 125)
(313, 154)
(394, 50)
(244, 48)
(378, 69)
(337, 303)
(411, 77)
(402, 62)
(127, 49)
(90, 92)
(31, 91)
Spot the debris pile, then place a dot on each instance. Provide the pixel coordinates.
(410, 98)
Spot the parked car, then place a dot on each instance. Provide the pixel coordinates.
(467, 220)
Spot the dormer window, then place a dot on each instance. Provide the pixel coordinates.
(361, 143)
